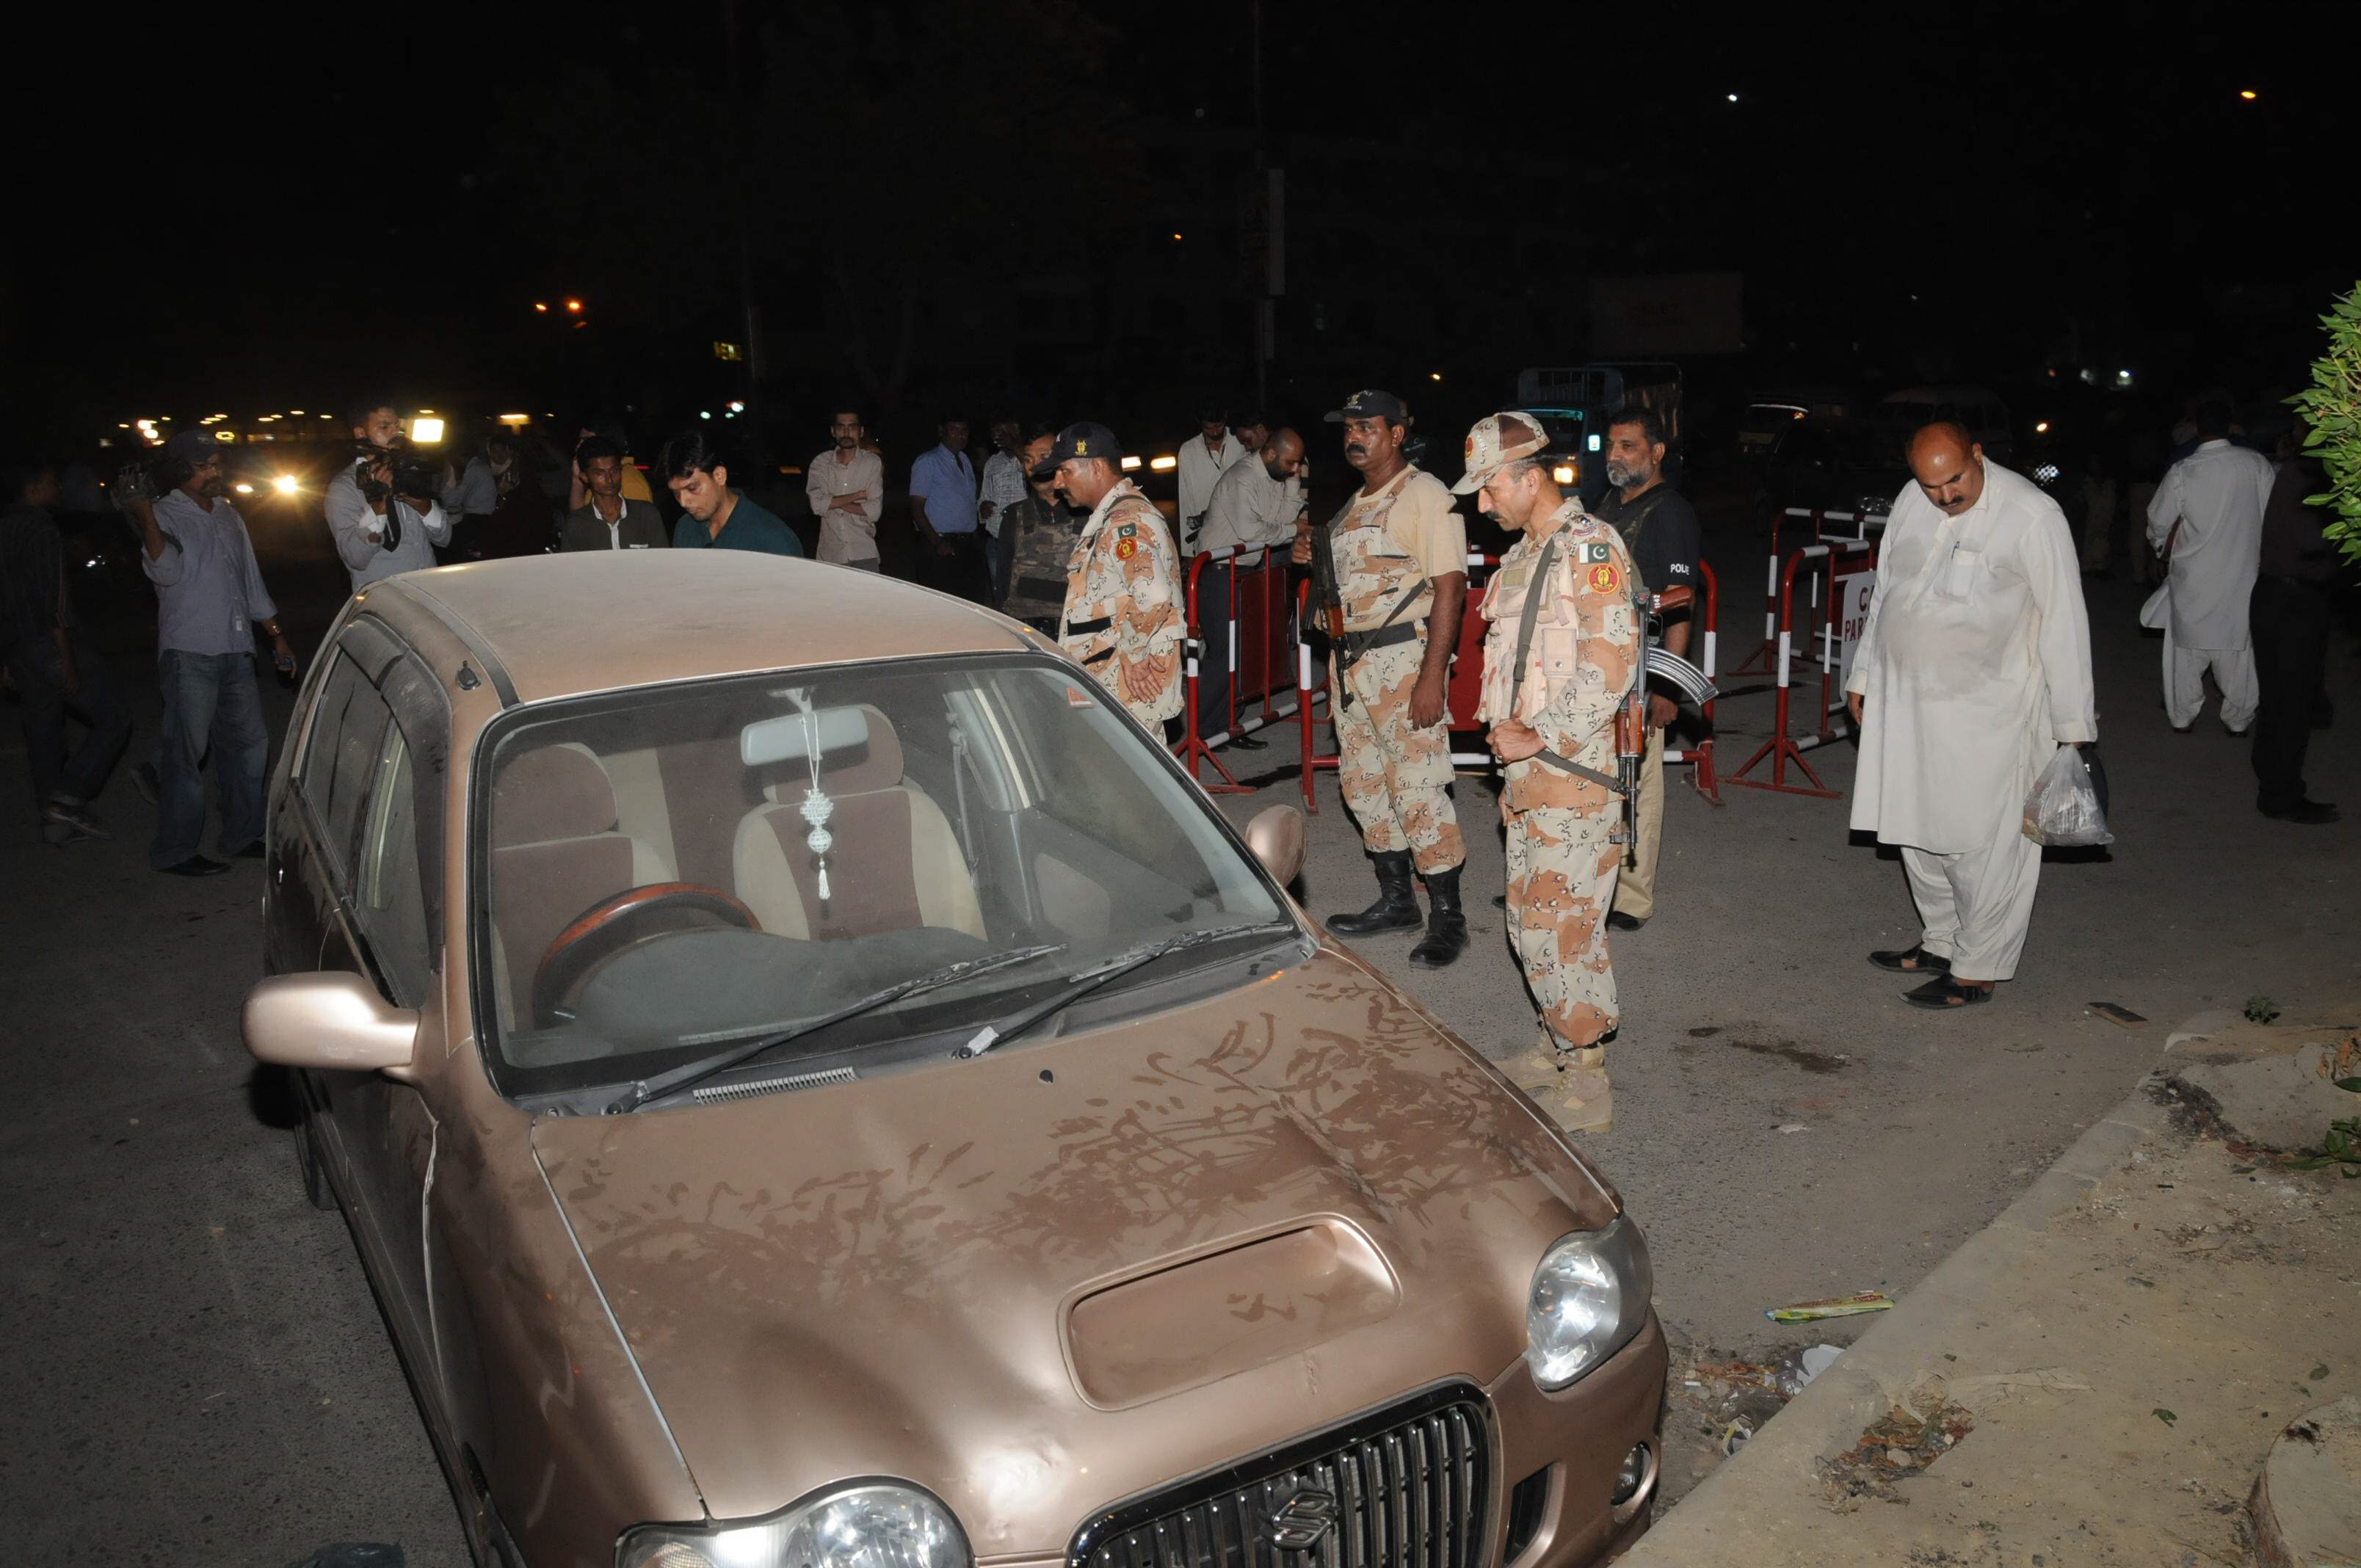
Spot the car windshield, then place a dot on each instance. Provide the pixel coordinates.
(668, 870)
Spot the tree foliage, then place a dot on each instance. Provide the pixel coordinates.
(2331, 406)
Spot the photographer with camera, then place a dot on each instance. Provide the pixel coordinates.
(210, 601)
(381, 508)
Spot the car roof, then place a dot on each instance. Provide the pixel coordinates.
(594, 620)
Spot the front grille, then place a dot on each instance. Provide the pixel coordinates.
(1404, 1488)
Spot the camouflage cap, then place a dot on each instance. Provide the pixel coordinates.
(1087, 439)
(1497, 440)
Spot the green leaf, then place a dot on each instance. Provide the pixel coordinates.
(2167, 1416)
(2352, 1083)
(2311, 1162)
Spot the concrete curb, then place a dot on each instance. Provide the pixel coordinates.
(1737, 1509)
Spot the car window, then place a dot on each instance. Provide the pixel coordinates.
(667, 869)
(340, 759)
(388, 900)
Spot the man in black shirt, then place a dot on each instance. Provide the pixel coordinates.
(2287, 616)
(1660, 529)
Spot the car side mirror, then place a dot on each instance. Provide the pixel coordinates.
(1276, 836)
(329, 1019)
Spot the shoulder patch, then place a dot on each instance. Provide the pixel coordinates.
(1597, 552)
(1604, 579)
(1125, 529)
(1125, 549)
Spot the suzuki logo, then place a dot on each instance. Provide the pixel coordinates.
(1303, 1521)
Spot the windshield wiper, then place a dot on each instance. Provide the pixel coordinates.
(1114, 969)
(665, 1084)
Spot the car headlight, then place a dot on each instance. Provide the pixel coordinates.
(876, 1524)
(1590, 1296)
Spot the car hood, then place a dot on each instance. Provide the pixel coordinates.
(1041, 1280)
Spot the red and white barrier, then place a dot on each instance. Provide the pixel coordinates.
(1791, 520)
(1260, 637)
(1815, 561)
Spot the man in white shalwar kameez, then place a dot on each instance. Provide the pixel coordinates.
(1974, 668)
(2211, 507)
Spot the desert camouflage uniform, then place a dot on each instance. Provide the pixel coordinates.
(1562, 867)
(1040, 550)
(1123, 602)
(1395, 776)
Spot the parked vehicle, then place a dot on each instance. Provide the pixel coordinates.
(1978, 409)
(829, 1090)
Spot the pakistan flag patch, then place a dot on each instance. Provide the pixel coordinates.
(1594, 553)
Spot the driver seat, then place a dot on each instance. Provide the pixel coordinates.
(556, 852)
(895, 865)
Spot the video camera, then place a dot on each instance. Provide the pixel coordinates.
(415, 474)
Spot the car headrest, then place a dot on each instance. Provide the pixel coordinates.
(871, 765)
(554, 792)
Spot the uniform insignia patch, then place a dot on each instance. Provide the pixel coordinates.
(1081, 449)
(1604, 579)
(1596, 553)
(1125, 549)
(1125, 529)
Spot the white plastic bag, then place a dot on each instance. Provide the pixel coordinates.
(2061, 809)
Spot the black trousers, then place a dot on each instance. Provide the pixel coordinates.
(2288, 622)
(961, 572)
(40, 687)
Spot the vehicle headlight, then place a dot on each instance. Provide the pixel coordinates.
(285, 484)
(869, 1525)
(1590, 1296)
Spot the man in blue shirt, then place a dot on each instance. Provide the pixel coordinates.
(942, 509)
(210, 601)
(712, 515)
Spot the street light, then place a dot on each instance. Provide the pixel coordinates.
(574, 305)
(2247, 94)
(542, 305)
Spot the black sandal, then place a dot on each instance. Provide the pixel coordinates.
(1911, 960)
(1943, 992)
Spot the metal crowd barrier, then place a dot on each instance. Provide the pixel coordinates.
(1260, 636)
(1758, 662)
(1816, 561)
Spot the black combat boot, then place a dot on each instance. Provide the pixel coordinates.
(1397, 906)
(1446, 923)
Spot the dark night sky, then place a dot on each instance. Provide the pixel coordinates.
(285, 205)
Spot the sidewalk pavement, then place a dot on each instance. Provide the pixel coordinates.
(2098, 1376)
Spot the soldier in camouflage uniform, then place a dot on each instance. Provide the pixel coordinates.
(1398, 553)
(1122, 618)
(1036, 542)
(1560, 654)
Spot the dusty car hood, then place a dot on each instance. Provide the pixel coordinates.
(881, 1278)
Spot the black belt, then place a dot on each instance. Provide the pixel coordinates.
(1051, 588)
(1089, 628)
(1357, 643)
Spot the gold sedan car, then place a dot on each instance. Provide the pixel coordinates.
(814, 1086)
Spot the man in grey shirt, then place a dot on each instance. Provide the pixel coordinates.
(210, 601)
(1254, 507)
(378, 537)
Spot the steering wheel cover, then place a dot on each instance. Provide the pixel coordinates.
(567, 960)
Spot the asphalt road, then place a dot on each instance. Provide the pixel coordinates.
(197, 1372)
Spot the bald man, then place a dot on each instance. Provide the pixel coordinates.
(1974, 667)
